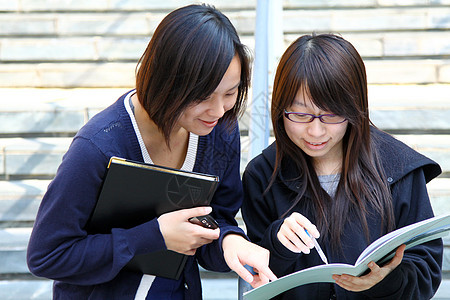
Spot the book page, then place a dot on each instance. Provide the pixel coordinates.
(391, 241)
(321, 273)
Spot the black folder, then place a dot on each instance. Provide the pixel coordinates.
(134, 193)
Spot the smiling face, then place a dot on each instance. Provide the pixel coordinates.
(201, 117)
(322, 142)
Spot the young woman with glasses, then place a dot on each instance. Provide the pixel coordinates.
(331, 173)
(191, 84)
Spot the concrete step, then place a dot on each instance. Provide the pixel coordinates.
(119, 5)
(14, 241)
(13, 248)
(34, 111)
(49, 111)
(213, 289)
(381, 96)
(31, 157)
(42, 290)
(144, 21)
(68, 75)
(90, 48)
(28, 157)
(122, 74)
(124, 6)
(79, 44)
(133, 23)
(438, 190)
(20, 200)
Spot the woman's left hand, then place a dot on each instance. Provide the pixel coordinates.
(377, 273)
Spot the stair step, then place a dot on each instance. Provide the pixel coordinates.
(27, 157)
(393, 107)
(42, 289)
(381, 96)
(13, 247)
(394, 45)
(98, 43)
(102, 6)
(51, 111)
(20, 200)
(68, 75)
(121, 74)
(32, 156)
(120, 5)
(143, 22)
(14, 241)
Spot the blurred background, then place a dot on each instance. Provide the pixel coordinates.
(63, 61)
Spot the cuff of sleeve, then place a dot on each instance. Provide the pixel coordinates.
(144, 238)
(230, 230)
(280, 249)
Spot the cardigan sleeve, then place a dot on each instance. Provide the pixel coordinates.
(227, 199)
(419, 274)
(258, 211)
(60, 248)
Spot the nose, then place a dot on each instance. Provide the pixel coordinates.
(316, 128)
(219, 106)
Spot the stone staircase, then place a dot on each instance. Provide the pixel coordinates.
(63, 61)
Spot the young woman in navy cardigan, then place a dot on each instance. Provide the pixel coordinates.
(191, 84)
(332, 173)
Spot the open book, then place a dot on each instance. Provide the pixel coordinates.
(380, 251)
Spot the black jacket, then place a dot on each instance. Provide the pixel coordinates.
(407, 172)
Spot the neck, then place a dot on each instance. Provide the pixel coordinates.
(171, 153)
(147, 127)
(324, 167)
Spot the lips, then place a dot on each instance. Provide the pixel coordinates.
(209, 123)
(316, 145)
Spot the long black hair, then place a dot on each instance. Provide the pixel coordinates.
(332, 73)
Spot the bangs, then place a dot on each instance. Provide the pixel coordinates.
(325, 84)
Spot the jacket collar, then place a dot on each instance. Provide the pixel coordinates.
(399, 159)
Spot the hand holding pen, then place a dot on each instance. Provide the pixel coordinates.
(298, 234)
(318, 248)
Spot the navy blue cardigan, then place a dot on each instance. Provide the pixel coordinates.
(407, 172)
(90, 266)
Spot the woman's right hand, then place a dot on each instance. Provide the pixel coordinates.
(182, 236)
(293, 236)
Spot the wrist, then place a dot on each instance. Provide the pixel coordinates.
(231, 239)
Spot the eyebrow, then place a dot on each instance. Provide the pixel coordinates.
(299, 103)
(234, 87)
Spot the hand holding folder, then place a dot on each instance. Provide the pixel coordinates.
(177, 230)
(150, 191)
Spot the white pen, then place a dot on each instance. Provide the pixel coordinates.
(317, 246)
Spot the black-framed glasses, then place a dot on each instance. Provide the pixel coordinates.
(308, 118)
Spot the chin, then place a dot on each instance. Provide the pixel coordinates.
(202, 131)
